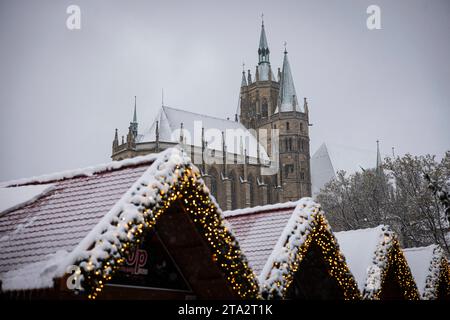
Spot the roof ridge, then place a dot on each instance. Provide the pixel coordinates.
(198, 114)
(84, 172)
(260, 209)
(362, 229)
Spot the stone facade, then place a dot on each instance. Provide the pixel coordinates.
(236, 180)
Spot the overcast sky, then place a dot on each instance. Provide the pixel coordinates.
(63, 92)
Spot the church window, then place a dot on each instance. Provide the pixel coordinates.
(234, 190)
(302, 175)
(265, 109)
(251, 182)
(301, 127)
(287, 125)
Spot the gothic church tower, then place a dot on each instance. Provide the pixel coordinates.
(269, 102)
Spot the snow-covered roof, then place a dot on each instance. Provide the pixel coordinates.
(331, 157)
(170, 120)
(426, 267)
(265, 72)
(15, 197)
(272, 237)
(322, 170)
(258, 230)
(359, 247)
(88, 219)
(287, 97)
(368, 252)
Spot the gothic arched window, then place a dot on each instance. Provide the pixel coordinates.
(214, 182)
(252, 188)
(234, 190)
(265, 108)
(287, 125)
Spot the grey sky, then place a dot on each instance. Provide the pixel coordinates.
(63, 92)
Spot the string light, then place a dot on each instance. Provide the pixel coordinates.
(207, 219)
(337, 269)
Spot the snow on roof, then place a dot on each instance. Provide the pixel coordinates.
(265, 72)
(322, 170)
(258, 209)
(348, 158)
(359, 247)
(271, 236)
(90, 219)
(287, 97)
(13, 198)
(170, 119)
(425, 264)
(83, 172)
(54, 231)
(258, 229)
(331, 157)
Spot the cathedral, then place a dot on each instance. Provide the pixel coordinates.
(261, 156)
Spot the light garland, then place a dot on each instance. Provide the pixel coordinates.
(188, 188)
(322, 236)
(394, 258)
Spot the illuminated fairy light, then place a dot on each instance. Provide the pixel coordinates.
(321, 235)
(188, 188)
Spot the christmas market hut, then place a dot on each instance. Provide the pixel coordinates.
(143, 228)
(431, 271)
(293, 251)
(378, 264)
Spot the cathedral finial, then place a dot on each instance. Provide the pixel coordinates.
(262, 19)
(244, 80)
(162, 97)
(285, 50)
(263, 50)
(378, 169)
(135, 115)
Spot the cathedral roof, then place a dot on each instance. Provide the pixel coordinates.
(170, 120)
(331, 157)
(287, 98)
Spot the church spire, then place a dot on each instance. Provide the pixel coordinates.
(287, 97)
(244, 80)
(263, 50)
(134, 123)
(379, 163)
(134, 115)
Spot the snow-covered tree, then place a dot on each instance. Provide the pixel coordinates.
(399, 195)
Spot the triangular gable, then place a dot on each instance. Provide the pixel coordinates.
(170, 179)
(282, 250)
(307, 225)
(430, 269)
(380, 268)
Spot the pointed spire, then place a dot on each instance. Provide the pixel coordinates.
(135, 115)
(224, 155)
(287, 97)
(244, 80)
(263, 49)
(134, 124)
(181, 133)
(249, 76)
(379, 163)
(157, 136)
